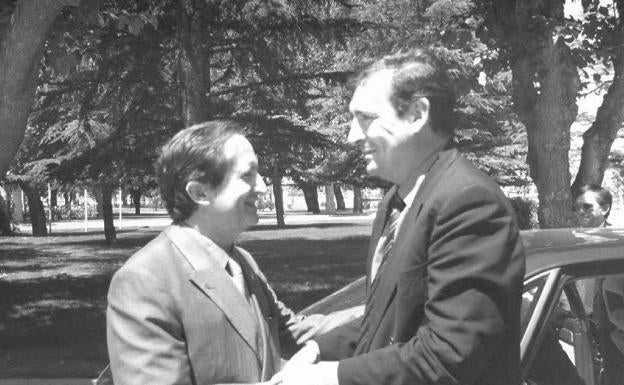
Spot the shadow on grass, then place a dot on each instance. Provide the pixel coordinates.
(319, 225)
(132, 239)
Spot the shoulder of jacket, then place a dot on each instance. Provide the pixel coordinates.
(151, 258)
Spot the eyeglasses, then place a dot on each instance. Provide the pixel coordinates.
(585, 207)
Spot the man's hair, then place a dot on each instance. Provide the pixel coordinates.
(604, 196)
(418, 73)
(193, 154)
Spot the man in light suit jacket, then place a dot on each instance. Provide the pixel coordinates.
(445, 262)
(191, 307)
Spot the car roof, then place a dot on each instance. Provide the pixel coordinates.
(546, 249)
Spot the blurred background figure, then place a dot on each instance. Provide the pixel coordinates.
(593, 205)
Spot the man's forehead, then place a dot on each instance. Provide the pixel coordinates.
(372, 91)
(238, 148)
(590, 196)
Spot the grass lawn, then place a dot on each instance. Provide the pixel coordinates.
(53, 289)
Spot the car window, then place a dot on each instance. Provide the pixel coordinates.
(530, 296)
(582, 340)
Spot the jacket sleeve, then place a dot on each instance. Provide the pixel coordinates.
(474, 274)
(340, 342)
(145, 343)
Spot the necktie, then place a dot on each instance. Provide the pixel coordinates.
(384, 246)
(235, 270)
(393, 213)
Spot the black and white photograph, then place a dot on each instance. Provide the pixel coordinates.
(311, 192)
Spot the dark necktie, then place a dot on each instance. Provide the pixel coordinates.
(393, 213)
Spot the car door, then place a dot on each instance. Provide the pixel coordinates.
(568, 336)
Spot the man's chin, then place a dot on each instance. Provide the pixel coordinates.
(252, 219)
(587, 223)
(372, 170)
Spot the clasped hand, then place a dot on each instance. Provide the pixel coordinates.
(305, 369)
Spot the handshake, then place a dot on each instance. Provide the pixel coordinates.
(304, 368)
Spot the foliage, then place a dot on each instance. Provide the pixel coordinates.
(61, 213)
(117, 82)
(525, 210)
(554, 55)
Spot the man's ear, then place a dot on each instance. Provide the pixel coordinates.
(199, 192)
(418, 113)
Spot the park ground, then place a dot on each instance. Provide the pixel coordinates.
(53, 289)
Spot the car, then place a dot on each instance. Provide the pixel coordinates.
(567, 271)
(563, 269)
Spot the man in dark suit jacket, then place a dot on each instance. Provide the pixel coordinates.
(445, 262)
(191, 307)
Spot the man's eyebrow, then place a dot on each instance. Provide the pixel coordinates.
(364, 114)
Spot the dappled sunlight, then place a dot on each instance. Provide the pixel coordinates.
(43, 310)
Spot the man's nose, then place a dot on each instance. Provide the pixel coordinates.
(356, 134)
(260, 186)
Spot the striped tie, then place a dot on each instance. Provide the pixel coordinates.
(386, 240)
(393, 212)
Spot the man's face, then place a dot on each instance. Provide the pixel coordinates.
(377, 129)
(589, 211)
(234, 201)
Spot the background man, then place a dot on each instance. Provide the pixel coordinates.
(445, 263)
(593, 205)
(191, 307)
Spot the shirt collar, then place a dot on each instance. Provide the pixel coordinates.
(416, 178)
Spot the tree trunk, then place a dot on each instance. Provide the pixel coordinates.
(598, 139)
(547, 114)
(53, 198)
(136, 201)
(36, 211)
(310, 195)
(357, 200)
(340, 202)
(21, 49)
(18, 204)
(68, 200)
(107, 214)
(278, 195)
(330, 203)
(5, 212)
(97, 195)
(194, 59)
(307, 198)
(544, 91)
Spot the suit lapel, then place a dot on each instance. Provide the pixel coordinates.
(255, 287)
(386, 287)
(211, 279)
(432, 178)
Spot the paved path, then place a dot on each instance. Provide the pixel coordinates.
(161, 220)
